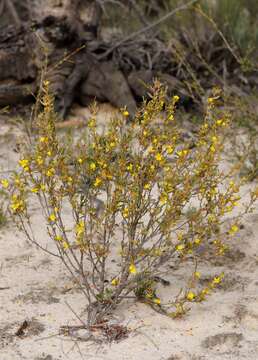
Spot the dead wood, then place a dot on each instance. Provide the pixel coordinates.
(13, 94)
(81, 66)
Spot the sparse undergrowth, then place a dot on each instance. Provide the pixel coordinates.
(135, 193)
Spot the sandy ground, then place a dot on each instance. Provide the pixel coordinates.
(36, 288)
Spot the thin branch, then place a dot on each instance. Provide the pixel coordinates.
(149, 27)
(237, 58)
(77, 316)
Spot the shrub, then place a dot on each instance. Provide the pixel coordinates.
(135, 193)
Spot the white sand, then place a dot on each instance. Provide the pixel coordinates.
(35, 287)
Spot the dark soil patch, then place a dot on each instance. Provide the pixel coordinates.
(231, 340)
(38, 296)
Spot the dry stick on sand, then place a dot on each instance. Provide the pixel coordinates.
(149, 27)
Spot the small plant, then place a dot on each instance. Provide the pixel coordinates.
(135, 194)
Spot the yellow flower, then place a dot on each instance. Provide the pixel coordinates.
(180, 247)
(126, 212)
(203, 293)
(49, 153)
(129, 167)
(5, 183)
(102, 164)
(163, 199)
(175, 98)
(24, 163)
(80, 228)
(211, 100)
(156, 301)
(112, 144)
(50, 172)
(59, 238)
(17, 205)
(132, 269)
(233, 230)
(217, 279)
(35, 190)
(219, 122)
(80, 161)
(43, 139)
(126, 113)
(169, 149)
(214, 191)
(232, 184)
(212, 148)
(159, 157)
(190, 296)
(171, 117)
(197, 274)
(42, 187)
(91, 123)
(115, 282)
(197, 241)
(147, 186)
(65, 245)
(52, 217)
(182, 153)
(214, 139)
(92, 166)
(229, 208)
(39, 160)
(17, 181)
(97, 182)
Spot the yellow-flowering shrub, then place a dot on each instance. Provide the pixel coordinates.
(135, 193)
